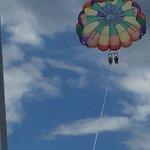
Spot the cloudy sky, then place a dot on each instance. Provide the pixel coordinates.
(54, 86)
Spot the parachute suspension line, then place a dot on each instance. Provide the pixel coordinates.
(102, 110)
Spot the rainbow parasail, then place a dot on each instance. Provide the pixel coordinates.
(110, 24)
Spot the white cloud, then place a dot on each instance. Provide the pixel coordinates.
(50, 86)
(26, 78)
(67, 66)
(137, 81)
(133, 75)
(21, 23)
(54, 16)
(12, 54)
(90, 126)
(139, 139)
(82, 81)
(81, 71)
(139, 112)
(26, 21)
(22, 79)
(24, 33)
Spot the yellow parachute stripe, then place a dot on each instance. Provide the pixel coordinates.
(127, 5)
(132, 20)
(104, 38)
(120, 28)
(124, 36)
(90, 12)
(90, 27)
(105, 30)
(101, 4)
(114, 2)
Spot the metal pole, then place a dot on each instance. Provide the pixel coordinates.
(3, 128)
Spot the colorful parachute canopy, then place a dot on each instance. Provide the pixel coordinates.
(110, 24)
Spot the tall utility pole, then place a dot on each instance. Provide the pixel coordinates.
(3, 127)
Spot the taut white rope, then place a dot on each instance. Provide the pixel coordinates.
(102, 109)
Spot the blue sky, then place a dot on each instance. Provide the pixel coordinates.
(54, 86)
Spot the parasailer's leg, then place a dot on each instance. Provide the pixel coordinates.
(110, 60)
(116, 59)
